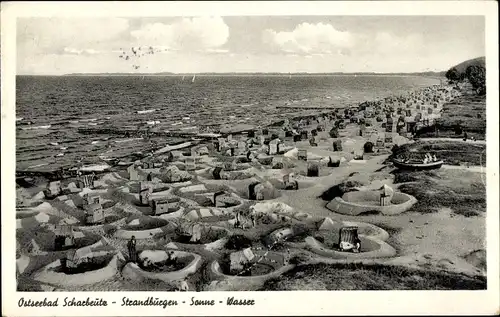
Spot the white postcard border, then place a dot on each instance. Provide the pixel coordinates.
(267, 303)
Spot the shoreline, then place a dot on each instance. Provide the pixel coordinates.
(235, 129)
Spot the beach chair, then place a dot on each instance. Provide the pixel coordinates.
(337, 146)
(164, 205)
(216, 172)
(349, 239)
(312, 170)
(302, 155)
(251, 191)
(312, 141)
(332, 163)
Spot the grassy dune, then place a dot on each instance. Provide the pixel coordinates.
(370, 277)
(461, 191)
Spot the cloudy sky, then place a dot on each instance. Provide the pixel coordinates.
(247, 44)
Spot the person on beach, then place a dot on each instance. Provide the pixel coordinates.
(237, 223)
(132, 253)
(427, 158)
(183, 286)
(465, 136)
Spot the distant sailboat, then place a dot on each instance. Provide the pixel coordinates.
(142, 77)
(289, 75)
(183, 77)
(194, 77)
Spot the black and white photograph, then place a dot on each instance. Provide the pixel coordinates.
(264, 153)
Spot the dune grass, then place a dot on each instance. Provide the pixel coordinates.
(461, 191)
(468, 111)
(370, 277)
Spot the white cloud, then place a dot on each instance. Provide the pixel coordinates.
(200, 33)
(75, 51)
(215, 51)
(309, 38)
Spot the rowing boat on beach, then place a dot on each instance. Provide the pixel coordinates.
(417, 166)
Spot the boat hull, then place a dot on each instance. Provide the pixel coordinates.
(418, 167)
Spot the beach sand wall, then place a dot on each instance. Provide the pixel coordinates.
(132, 271)
(49, 275)
(368, 201)
(374, 248)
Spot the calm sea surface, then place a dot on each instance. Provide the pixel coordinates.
(68, 102)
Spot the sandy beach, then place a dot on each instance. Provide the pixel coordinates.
(277, 198)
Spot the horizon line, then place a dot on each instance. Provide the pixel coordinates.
(235, 73)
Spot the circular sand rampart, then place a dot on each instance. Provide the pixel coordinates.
(364, 229)
(237, 174)
(212, 237)
(208, 215)
(355, 203)
(278, 210)
(368, 230)
(49, 274)
(235, 282)
(373, 248)
(140, 234)
(133, 272)
(101, 225)
(241, 188)
(127, 233)
(172, 215)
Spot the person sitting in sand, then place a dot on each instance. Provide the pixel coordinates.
(172, 256)
(428, 158)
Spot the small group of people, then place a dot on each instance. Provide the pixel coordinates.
(430, 158)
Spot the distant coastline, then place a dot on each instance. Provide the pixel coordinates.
(426, 74)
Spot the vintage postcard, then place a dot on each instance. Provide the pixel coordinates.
(249, 158)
